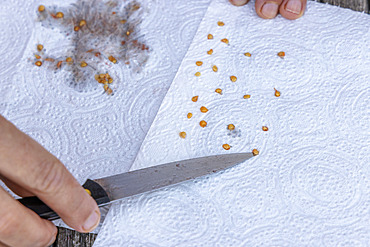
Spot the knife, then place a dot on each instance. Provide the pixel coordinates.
(108, 189)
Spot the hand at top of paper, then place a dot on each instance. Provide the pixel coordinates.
(29, 170)
(268, 9)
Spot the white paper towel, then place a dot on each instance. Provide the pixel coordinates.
(93, 134)
(310, 185)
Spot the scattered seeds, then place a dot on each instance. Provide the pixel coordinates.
(233, 78)
(281, 54)
(182, 134)
(226, 41)
(38, 63)
(59, 15)
(83, 64)
(218, 90)
(82, 23)
(226, 146)
(194, 99)
(40, 47)
(265, 128)
(203, 109)
(210, 52)
(37, 56)
(214, 68)
(41, 8)
(255, 152)
(112, 59)
(197, 74)
(277, 93)
(247, 54)
(230, 127)
(199, 63)
(210, 36)
(69, 60)
(247, 96)
(76, 28)
(59, 64)
(203, 123)
(189, 115)
(220, 23)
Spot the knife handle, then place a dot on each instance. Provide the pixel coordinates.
(35, 204)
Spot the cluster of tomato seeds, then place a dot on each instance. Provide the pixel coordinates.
(230, 127)
(102, 33)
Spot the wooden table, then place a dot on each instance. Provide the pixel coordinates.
(70, 238)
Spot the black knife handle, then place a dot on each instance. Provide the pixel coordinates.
(40, 208)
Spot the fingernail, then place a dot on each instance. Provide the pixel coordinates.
(55, 232)
(239, 2)
(92, 222)
(270, 10)
(294, 6)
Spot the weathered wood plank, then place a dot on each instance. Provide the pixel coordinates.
(70, 238)
(357, 5)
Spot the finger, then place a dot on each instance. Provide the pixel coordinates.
(19, 226)
(16, 188)
(3, 245)
(292, 9)
(28, 164)
(267, 9)
(238, 2)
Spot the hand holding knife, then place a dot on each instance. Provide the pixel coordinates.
(109, 189)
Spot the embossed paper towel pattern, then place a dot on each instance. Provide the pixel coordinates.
(310, 184)
(92, 134)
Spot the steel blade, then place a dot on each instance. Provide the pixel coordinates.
(151, 178)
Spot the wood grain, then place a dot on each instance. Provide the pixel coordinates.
(70, 238)
(357, 5)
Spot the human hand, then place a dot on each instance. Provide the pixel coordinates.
(268, 9)
(29, 170)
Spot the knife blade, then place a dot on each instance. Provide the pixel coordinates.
(108, 189)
